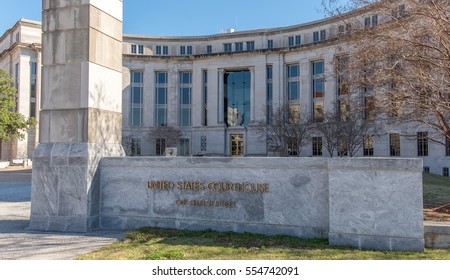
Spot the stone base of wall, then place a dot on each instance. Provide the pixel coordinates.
(65, 186)
(128, 223)
(437, 235)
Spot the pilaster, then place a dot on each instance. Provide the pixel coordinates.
(80, 118)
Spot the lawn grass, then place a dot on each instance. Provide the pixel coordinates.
(160, 244)
(436, 191)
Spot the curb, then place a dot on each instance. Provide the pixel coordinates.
(437, 235)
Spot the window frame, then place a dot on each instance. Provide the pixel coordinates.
(227, 47)
(158, 104)
(368, 151)
(182, 105)
(318, 97)
(317, 146)
(239, 46)
(250, 45)
(422, 144)
(139, 106)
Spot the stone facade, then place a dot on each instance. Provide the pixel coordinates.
(363, 203)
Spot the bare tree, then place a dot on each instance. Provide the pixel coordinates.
(284, 134)
(344, 135)
(400, 50)
(127, 144)
(170, 134)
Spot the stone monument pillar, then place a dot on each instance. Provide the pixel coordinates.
(81, 119)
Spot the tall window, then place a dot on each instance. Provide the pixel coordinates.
(369, 107)
(394, 143)
(368, 146)
(136, 98)
(422, 144)
(203, 144)
(291, 41)
(184, 147)
(239, 46)
(316, 36)
(395, 108)
(294, 92)
(374, 20)
(189, 50)
(367, 22)
(135, 147)
(237, 98)
(342, 87)
(447, 147)
(318, 90)
(133, 49)
(250, 45)
(323, 35)
(227, 47)
(182, 50)
(445, 172)
(161, 99)
(208, 49)
(205, 97)
(158, 50)
(342, 149)
(141, 49)
(269, 94)
(33, 75)
(185, 99)
(348, 28)
(165, 50)
(270, 44)
(160, 146)
(298, 40)
(401, 10)
(317, 146)
(293, 148)
(17, 76)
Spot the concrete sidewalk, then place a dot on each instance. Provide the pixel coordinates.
(19, 243)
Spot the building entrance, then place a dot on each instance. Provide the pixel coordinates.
(237, 145)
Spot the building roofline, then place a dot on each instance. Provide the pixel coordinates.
(24, 22)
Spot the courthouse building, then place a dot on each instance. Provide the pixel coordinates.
(215, 88)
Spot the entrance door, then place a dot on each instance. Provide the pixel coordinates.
(237, 145)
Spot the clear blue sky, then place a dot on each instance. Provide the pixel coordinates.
(187, 17)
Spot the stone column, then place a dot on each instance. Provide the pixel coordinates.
(220, 109)
(81, 104)
(252, 95)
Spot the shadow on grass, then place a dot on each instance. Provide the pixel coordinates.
(223, 239)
